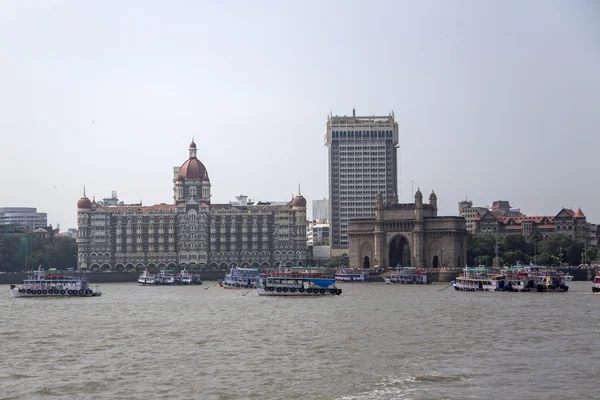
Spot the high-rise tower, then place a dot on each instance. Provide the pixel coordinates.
(362, 162)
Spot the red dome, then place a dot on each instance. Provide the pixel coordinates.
(299, 201)
(193, 169)
(179, 178)
(84, 202)
(193, 144)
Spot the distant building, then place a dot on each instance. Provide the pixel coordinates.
(71, 232)
(23, 216)
(243, 200)
(503, 207)
(468, 212)
(192, 232)
(317, 233)
(362, 162)
(567, 222)
(500, 207)
(320, 210)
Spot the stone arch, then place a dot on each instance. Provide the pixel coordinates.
(265, 264)
(366, 262)
(140, 266)
(435, 262)
(105, 267)
(119, 267)
(213, 266)
(245, 264)
(161, 265)
(366, 252)
(151, 266)
(129, 267)
(255, 264)
(399, 251)
(223, 266)
(94, 267)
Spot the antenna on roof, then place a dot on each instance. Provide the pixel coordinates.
(83, 190)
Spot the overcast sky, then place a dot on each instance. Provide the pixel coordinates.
(494, 100)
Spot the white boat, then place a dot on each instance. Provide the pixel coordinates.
(146, 279)
(407, 276)
(480, 279)
(352, 275)
(240, 278)
(54, 283)
(596, 287)
(169, 278)
(298, 281)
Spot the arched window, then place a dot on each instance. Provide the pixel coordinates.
(193, 191)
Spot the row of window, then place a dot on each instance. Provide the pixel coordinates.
(360, 134)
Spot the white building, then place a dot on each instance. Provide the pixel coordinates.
(317, 233)
(23, 216)
(468, 212)
(362, 162)
(320, 210)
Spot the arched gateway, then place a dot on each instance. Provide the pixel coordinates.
(408, 235)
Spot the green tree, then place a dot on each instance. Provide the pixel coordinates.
(339, 261)
(60, 253)
(591, 255)
(9, 251)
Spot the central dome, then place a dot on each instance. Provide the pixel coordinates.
(193, 169)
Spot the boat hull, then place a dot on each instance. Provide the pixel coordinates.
(331, 292)
(596, 289)
(15, 293)
(390, 281)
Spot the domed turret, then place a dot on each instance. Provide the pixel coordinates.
(84, 203)
(299, 201)
(418, 194)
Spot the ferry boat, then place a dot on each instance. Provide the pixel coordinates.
(480, 279)
(146, 279)
(546, 280)
(169, 278)
(54, 283)
(241, 278)
(596, 287)
(407, 276)
(352, 275)
(298, 281)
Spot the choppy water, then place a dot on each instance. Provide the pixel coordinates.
(375, 341)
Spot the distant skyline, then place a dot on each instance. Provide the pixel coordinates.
(494, 100)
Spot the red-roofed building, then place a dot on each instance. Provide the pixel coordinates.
(567, 221)
(192, 232)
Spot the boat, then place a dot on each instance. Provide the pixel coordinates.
(240, 278)
(54, 283)
(596, 287)
(480, 279)
(547, 280)
(146, 279)
(298, 281)
(407, 276)
(169, 277)
(352, 275)
(568, 277)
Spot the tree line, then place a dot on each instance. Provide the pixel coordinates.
(57, 252)
(554, 250)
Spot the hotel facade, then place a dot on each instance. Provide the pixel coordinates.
(192, 232)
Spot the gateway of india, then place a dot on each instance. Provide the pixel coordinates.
(409, 234)
(192, 233)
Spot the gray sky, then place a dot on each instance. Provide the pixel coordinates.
(494, 100)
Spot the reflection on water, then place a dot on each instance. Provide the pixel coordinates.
(375, 341)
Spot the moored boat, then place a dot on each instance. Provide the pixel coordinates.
(169, 278)
(407, 276)
(480, 279)
(596, 287)
(240, 278)
(54, 283)
(298, 281)
(352, 275)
